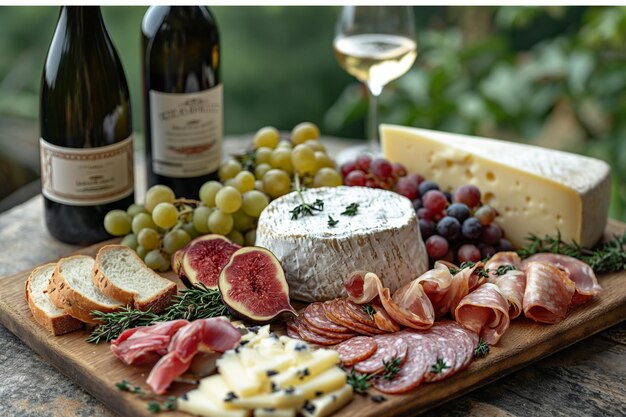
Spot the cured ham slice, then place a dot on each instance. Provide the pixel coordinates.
(382, 319)
(484, 311)
(216, 334)
(548, 293)
(143, 345)
(579, 272)
(362, 286)
(512, 282)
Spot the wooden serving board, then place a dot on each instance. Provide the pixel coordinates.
(97, 370)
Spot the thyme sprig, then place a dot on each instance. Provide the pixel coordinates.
(439, 366)
(162, 404)
(503, 269)
(304, 209)
(392, 368)
(607, 257)
(351, 209)
(332, 222)
(480, 271)
(360, 382)
(199, 302)
(369, 310)
(481, 350)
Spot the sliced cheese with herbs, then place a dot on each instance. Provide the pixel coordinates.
(382, 236)
(327, 404)
(535, 190)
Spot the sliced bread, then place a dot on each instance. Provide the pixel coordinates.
(72, 289)
(121, 274)
(45, 313)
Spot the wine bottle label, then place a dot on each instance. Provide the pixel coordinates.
(186, 132)
(85, 177)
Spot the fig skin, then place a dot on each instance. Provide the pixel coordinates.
(182, 266)
(279, 295)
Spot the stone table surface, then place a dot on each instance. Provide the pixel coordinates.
(586, 379)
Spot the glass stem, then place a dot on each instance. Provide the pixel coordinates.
(373, 144)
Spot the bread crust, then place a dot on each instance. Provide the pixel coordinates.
(57, 325)
(156, 303)
(71, 301)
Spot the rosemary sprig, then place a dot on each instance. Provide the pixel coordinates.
(360, 382)
(480, 271)
(199, 302)
(503, 269)
(369, 310)
(304, 209)
(332, 222)
(607, 257)
(481, 350)
(392, 368)
(439, 366)
(351, 209)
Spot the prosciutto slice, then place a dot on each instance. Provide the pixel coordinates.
(143, 345)
(215, 334)
(362, 286)
(548, 293)
(484, 311)
(512, 283)
(579, 272)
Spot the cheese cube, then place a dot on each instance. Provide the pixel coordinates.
(243, 382)
(535, 190)
(198, 403)
(320, 361)
(329, 380)
(289, 398)
(327, 404)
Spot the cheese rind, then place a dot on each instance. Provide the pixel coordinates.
(383, 237)
(535, 190)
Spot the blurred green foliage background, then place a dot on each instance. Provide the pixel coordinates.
(551, 76)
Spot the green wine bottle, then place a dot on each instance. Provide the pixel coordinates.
(183, 111)
(86, 144)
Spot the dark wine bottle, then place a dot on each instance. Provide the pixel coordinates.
(86, 144)
(183, 112)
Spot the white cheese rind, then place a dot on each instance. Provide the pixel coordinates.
(535, 190)
(383, 237)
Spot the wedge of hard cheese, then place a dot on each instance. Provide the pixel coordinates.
(535, 190)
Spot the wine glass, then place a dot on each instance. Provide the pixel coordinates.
(376, 44)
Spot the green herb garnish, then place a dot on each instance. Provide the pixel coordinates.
(439, 366)
(481, 350)
(391, 368)
(503, 269)
(113, 324)
(369, 310)
(480, 271)
(164, 403)
(351, 209)
(607, 257)
(304, 209)
(332, 222)
(360, 382)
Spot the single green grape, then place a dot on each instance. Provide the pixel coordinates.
(236, 236)
(242, 221)
(285, 144)
(230, 183)
(258, 185)
(261, 169)
(303, 132)
(266, 136)
(200, 218)
(276, 183)
(244, 181)
(220, 222)
(250, 237)
(303, 160)
(155, 260)
(117, 222)
(263, 155)
(149, 239)
(191, 229)
(142, 221)
(316, 145)
(135, 209)
(327, 177)
(208, 191)
(228, 199)
(165, 215)
(130, 241)
(158, 194)
(229, 169)
(174, 240)
(141, 252)
(281, 159)
(323, 160)
(254, 202)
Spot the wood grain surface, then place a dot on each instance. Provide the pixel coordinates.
(97, 370)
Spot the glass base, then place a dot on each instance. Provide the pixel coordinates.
(351, 153)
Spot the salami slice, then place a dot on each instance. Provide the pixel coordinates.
(411, 374)
(548, 293)
(389, 348)
(336, 313)
(446, 348)
(462, 341)
(332, 335)
(292, 331)
(357, 312)
(314, 315)
(312, 337)
(356, 349)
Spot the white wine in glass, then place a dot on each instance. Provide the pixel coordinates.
(375, 44)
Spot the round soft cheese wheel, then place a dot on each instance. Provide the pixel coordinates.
(382, 237)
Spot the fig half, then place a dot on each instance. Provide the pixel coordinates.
(203, 258)
(253, 285)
